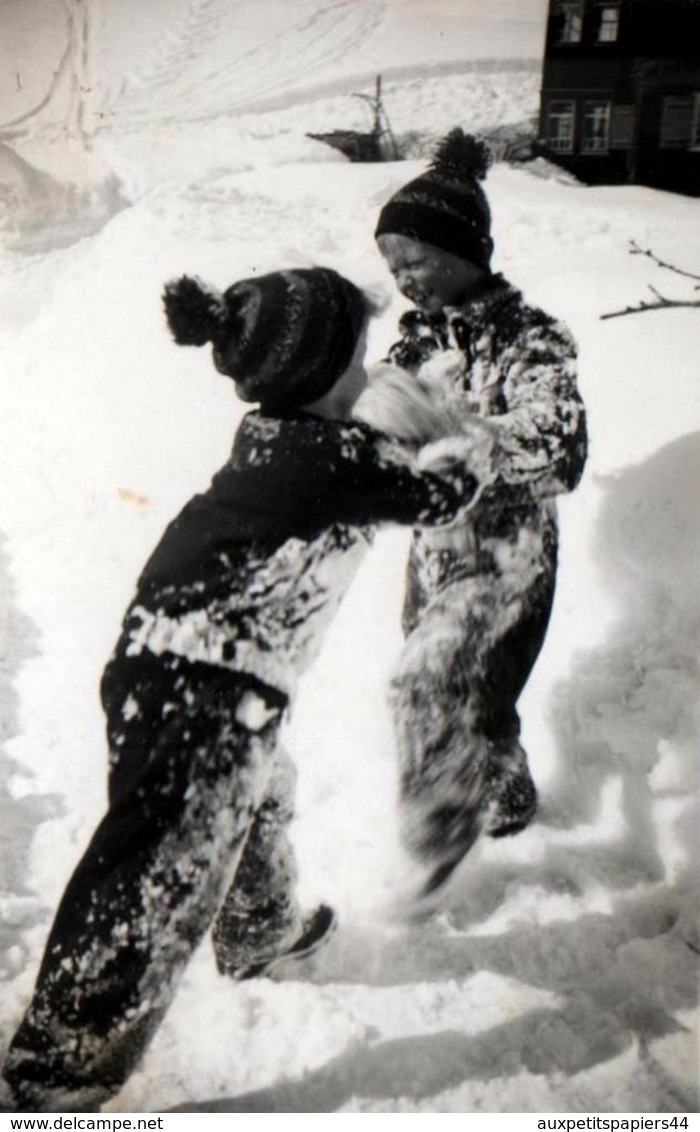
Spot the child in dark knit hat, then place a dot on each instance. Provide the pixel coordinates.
(478, 596)
(229, 611)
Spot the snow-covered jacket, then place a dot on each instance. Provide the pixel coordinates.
(250, 572)
(516, 366)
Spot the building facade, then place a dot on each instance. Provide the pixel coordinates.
(621, 91)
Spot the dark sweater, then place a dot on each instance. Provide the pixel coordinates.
(251, 571)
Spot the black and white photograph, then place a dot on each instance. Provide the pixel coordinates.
(349, 556)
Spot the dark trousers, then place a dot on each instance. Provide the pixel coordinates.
(469, 651)
(190, 779)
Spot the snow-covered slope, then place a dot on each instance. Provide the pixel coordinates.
(228, 58)
(558, 972)
(175, 60)
(178, 90)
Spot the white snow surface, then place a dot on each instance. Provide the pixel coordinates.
(557, 972)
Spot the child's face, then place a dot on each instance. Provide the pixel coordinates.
(428, 276)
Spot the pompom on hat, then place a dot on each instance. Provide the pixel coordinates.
(446, 206)
(284, 338)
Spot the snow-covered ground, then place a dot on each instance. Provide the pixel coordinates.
(558, 972)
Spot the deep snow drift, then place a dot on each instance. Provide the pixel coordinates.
(558, 971)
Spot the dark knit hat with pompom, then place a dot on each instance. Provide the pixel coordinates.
(284, 338)
(446, 206)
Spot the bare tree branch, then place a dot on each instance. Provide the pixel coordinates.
(636, 250)
(663, 303)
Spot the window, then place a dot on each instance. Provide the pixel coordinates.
(559, 126)
(677, 121)
(622, 127)
(608, 22)
(569, 21)
(596, 127)
(695, 132)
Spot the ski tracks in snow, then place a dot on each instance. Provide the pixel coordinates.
(236, 57)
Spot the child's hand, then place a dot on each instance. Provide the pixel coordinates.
(475, 451)
(484, 450)
(398, 404)
(443, 371)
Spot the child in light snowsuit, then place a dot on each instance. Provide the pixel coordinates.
(228, 612)
(479, 596)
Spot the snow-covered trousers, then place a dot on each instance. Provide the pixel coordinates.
(470, 647)
(195, 792)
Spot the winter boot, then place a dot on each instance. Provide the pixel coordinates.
(317, 929)
(512, 795)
